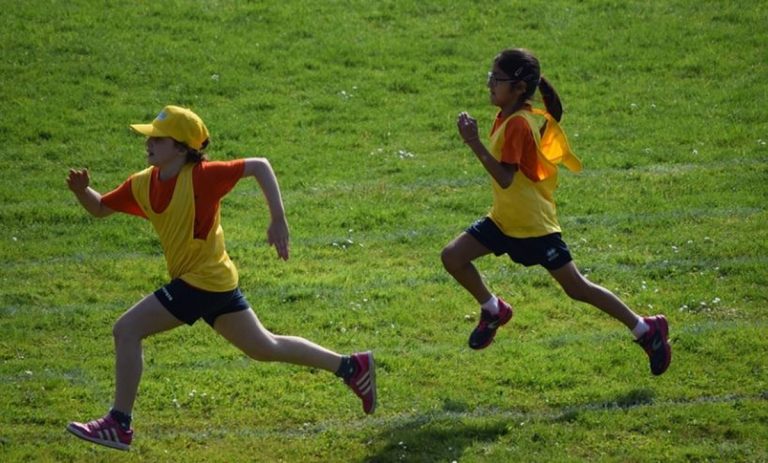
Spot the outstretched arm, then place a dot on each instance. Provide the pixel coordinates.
(501, 172)
(277, 233)
(78, 181)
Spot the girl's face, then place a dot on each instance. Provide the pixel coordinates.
(162, 151)
(505, 91)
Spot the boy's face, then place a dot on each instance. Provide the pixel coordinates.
(162, 150)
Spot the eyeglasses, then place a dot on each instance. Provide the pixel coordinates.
(493, 80)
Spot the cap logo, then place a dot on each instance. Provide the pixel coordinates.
(161, 116)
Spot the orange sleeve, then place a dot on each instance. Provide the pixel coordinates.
(121, 200)
(520, 148)
(212, 180)
(217, 178)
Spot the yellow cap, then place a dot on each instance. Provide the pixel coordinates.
(179, 123)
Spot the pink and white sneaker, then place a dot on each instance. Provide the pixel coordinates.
(103, 431)
(363, 382)
(483, 334)
(655, 342)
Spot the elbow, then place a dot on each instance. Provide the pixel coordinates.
(256, 167)
(505, 182)
(101, 211)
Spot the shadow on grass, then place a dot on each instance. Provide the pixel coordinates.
(439, 437)
(444, 436)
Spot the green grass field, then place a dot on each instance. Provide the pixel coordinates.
(354, 103)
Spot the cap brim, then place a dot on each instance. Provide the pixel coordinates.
(148, 130)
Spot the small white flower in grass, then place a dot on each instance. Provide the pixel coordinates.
(695, 152)
(14, 238)
(716, 300)
(675, 249)
(215, 77)
(653, 105)
(28, 372)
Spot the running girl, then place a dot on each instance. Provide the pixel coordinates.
(524, 147)
(180, 194)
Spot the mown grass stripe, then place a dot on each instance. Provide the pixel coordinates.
(414, 420)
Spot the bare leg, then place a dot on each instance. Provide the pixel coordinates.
(145, 318)
(579, 288)
(457, 259)
(244, 330)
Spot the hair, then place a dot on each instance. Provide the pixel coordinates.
(522, 65)
(193, 155)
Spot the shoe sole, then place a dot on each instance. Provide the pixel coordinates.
(664, 328)
(372, 374)
(106, 443)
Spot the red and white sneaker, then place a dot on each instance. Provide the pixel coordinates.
(363, 382)
(483, 334)
(103, 431)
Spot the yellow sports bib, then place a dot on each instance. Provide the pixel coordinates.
(526, 208)
(203, 264)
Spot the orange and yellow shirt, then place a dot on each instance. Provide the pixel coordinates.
(184, 211)
(526, 208)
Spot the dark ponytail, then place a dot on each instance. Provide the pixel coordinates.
(551, 99)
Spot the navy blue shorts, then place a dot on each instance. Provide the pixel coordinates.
(549, 251)
(189, 304)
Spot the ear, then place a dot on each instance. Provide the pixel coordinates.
(519, 86)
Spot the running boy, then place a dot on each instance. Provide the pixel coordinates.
(524, 147)
(180, 194)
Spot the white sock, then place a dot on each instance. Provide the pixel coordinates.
(491, 305)
(640, 329)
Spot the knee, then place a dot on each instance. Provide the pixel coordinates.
(265, 351)
(124, 331)
(450, 258)
(121, 331)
